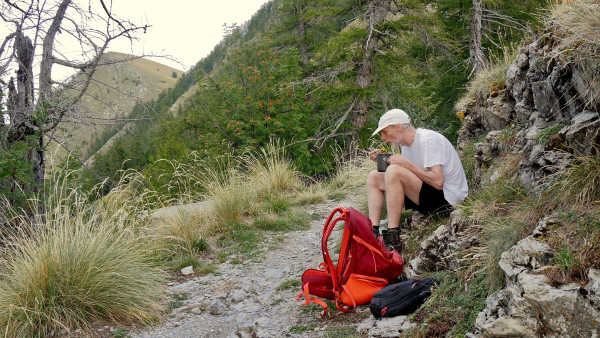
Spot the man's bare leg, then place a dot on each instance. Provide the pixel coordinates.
(399, 182)
(396, 182)
(375, 195)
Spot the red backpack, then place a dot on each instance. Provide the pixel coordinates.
(364, 265)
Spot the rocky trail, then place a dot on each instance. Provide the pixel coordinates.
(245, 300)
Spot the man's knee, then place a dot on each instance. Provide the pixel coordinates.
(373, 178)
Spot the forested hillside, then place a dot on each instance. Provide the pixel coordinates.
(316, 75)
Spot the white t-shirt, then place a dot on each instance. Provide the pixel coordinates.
(431, 148)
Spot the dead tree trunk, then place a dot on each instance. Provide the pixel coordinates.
(475, 48)
(21, 108)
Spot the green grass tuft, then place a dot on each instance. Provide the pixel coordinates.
(289, 284)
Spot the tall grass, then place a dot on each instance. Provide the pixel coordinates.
(579, 182)
(271, 172)
(503, 212)
(236, 187)
(180, 237)
(72, 265)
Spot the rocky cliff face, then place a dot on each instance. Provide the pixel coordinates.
(541, 117)
(545, 98)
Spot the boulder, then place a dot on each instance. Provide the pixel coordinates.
(385, 327)
(544, 98)
(592, 288)
(498, 114)
(439, 250)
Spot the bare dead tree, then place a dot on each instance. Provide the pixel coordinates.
(36, 102)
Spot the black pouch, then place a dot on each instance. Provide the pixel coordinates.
(402, 298)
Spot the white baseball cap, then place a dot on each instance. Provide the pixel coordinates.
(392, 117)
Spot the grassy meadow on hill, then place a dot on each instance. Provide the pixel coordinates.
(112, 94)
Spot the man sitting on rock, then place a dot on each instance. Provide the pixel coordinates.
(427, 177)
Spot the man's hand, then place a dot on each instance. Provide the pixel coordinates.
(401, 161)
(373, 154)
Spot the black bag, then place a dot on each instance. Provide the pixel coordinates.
(401, 298)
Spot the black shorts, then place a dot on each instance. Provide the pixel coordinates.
(431, 202)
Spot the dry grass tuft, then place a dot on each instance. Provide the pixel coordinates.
(75, 264)
(314, 193)
(503, 212)
(489, 79)
(579, 182)
(180, 235)
(271, 172)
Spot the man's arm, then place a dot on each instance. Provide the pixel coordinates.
(432, 175)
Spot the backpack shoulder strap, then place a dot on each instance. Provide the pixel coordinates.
(327, 229)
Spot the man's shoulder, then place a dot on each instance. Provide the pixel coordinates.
(428, 135)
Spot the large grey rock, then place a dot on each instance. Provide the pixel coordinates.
(385, 327)
(544, 98)
(583, 132)
(523, 111)
(530, 307)
(592, 288)
(439, 249)
(528, 254)
(498, 114)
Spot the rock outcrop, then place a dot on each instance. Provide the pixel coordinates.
(544, 102)
(438, 251)
(530, 306)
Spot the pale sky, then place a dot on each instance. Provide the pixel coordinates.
(185, 29)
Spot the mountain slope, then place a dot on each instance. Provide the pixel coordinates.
(114, 91)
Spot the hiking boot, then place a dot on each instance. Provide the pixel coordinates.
(392, 240)
(376, 230)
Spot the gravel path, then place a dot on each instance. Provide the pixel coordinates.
(242, 300)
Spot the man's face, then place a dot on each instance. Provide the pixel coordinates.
(392, 135)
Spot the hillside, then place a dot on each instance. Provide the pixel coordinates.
(115, 89)
(317, 77)
(519, 258)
